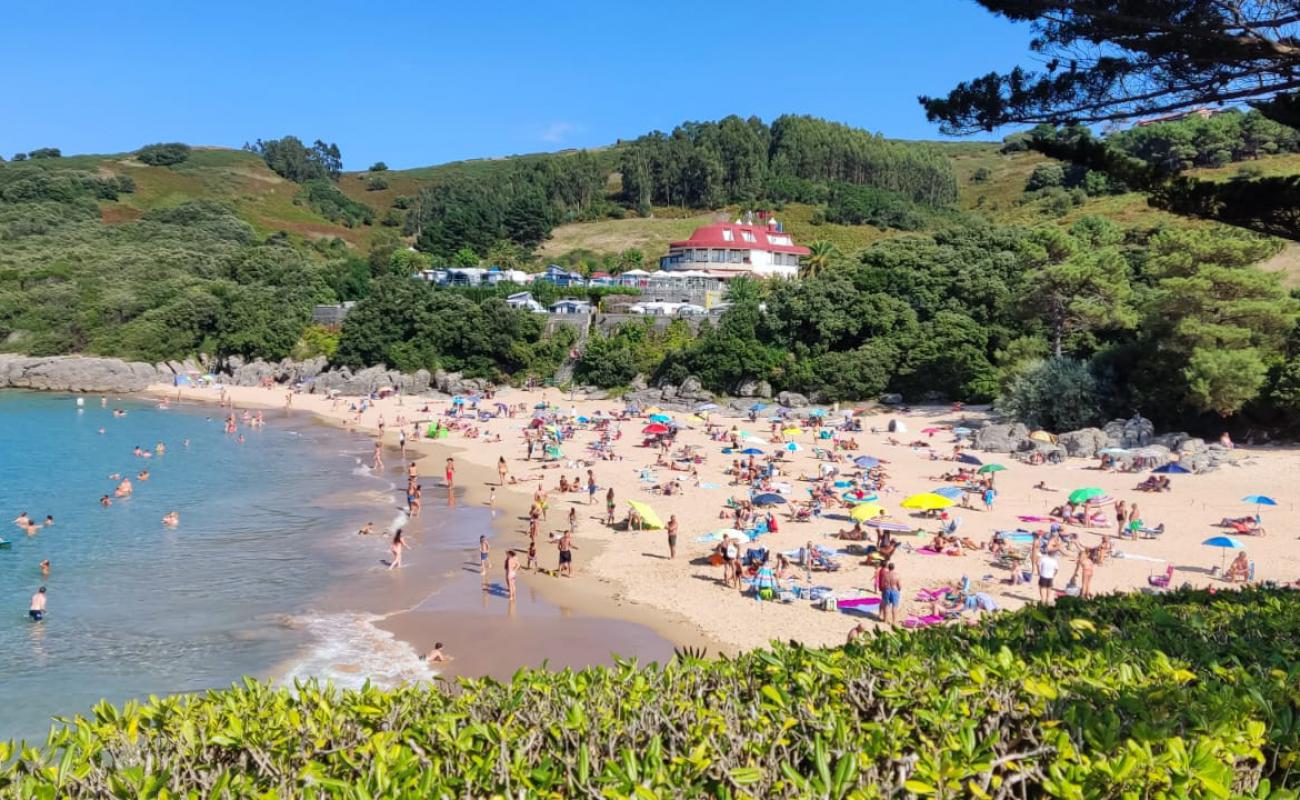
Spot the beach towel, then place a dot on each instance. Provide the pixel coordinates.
(926, 595)
(923, 622)
(710, 486)
(1033, 518)
(926, 551)
(858, 602)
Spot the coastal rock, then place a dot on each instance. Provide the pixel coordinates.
(1083, 443)
(639, 383)
(76, 374)
(668, 391)
(764, 390)
(891, 399)
(1173, 441)
(1129, 433)
(1003, 438)
(693, 389)
(747, 388)
(1191, 445)
(792, 400)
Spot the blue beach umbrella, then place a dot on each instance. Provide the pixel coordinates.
(866, 462)
(751, 451)
(1225, 543)
(769, 499)
(706, 406)
(817, 412)
(1172, 468)
(1259, 500)
(967, 458)
(950, 492)
(758, 407)
(458, 401)
(660, 417)
(793, 447)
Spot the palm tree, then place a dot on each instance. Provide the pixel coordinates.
(823, 254)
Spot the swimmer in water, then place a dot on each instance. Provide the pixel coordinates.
(124, 488)
(101, 431)
(49, 520)
(37, 609)
(33, 529)
(172, 519)
(160, 448)
(241, 438)
(366, 529)
(45, 568)
(105, 501)
(142, 475)
(185, 443)
(22, 520)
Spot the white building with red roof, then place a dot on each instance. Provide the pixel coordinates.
(727, 249)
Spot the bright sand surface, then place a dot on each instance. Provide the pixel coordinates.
(628, 576)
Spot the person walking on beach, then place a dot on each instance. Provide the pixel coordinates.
(892, 596)
(990, 494)
(591, 487)
(532, 556)
(401, 442)
(396, 548)
(565, 544)
(671, 529)
(484, 557)
(609, 506)
(414, 500)
(573, 519)
(502, 469)
(450, 472)
(378, 461)
(37, 609)
(512, 569)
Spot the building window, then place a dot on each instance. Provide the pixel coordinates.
(727, 235)
(718, 256)
(734, 256)
(781, 240)
(748, 236)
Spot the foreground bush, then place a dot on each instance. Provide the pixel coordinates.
(1185, 695)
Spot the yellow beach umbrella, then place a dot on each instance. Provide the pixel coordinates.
(792, 431)
(865, 511)
(926, 501)
(691, 418)
(649, 519)
(653, 410)
(1042, 436)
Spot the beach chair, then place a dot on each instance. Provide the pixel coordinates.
(1151, 533)
(1162, 581)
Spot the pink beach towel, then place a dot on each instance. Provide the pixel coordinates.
(926, 595)
(923, 622)
(927, 551)
(858, 602)
(1034, 518)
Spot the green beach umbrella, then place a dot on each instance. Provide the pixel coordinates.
(1084, 495)
(987, 468)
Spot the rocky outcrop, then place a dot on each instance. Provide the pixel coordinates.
(792, 400)
(1010, 438)
(77, 374)
(1083, 443)
(1130, 433)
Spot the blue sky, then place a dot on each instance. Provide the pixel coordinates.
(415, 83)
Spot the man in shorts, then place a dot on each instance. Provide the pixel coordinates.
(1047, 568)
(891, 596)
(37, 609)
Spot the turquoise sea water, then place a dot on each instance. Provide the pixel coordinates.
(136, 608)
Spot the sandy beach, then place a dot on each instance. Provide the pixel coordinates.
(628, 576)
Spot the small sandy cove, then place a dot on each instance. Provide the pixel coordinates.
(628, 575)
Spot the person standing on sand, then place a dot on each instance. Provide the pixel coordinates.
(37, 609)
(591, 487)
(512, 569)
(1047, 568)
(484, 557)
(397, 547)
(401, 442)
(671, 529)
(609, 506)
(450, 472)
(891, 597)
(565, 544)
(502, 469)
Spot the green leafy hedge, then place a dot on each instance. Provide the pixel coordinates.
(1183, 695)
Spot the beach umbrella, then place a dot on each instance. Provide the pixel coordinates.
(660, 418)
(926, 501)
(852, 497)
(865, 511)
(1259, 500)
(967, 458)
(1111, 451)
(655, 428)
(458, 401)
(950, 492)
(1084, 495)
(654, 410)
(961, 431)
(1225, 543)
(1172, 468)
(792, 431)
(692, 419)
(817, 412)
(930, 430)
(889, 525)
(758, 407)
(866, 462)
(539, 405)
(706, 406)
(987, 468)
(770, 499)
(751, 451)
(750, 438)
(1101, 500)
(793, 447)
(1042, 436)
(649, 519)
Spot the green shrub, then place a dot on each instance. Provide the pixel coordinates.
(163, 155)
(1184, 695)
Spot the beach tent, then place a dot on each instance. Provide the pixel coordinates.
(865, 511)
(649, 519)
(926, 501)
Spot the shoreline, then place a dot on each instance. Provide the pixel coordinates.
(583, 603)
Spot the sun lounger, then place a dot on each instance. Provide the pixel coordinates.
(1162, 581)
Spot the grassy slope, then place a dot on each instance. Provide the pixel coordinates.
(267, 201)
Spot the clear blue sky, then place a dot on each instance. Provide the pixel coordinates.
(415, 83)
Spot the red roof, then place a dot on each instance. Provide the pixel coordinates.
(713, 236)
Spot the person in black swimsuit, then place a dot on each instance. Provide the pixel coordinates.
(565, 543)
